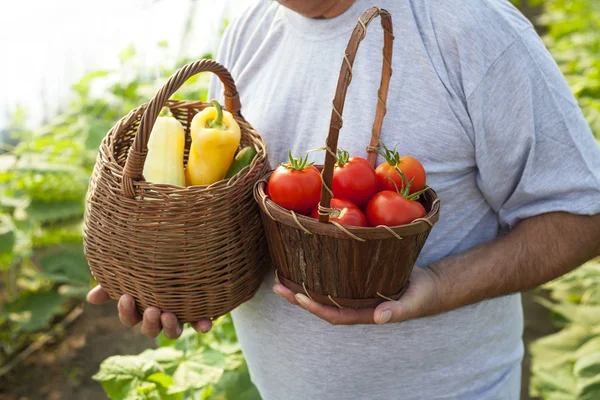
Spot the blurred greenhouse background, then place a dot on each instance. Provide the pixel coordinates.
(70, 70)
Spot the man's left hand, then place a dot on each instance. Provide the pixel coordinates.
(421, 299)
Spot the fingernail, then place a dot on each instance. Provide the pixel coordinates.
(385, 317)
(168, 323)
(128, 302)
(277, 292)
(302, 299)
(153, 316)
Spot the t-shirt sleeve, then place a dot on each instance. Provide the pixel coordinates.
(534, 151)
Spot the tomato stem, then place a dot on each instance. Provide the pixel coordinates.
(406, 187)
(343, 157)
(416, 195)
(391, 156)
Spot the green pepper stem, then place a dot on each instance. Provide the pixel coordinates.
(165, 112)
(217, 122)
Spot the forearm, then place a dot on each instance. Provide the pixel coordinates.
(538, 250)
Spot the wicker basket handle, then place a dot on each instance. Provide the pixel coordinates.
(137, 153)
(340, 96)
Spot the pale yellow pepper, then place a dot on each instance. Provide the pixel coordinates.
(164, 162)
(215, 138)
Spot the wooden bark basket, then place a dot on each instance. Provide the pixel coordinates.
(198, 251)
(342, 266)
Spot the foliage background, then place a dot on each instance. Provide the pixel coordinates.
(44, 170)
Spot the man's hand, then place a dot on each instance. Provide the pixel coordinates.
(153, 321)
(538, 250)
(421, 299)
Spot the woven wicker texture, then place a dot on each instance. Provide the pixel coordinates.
(346, 266)
(198, 251)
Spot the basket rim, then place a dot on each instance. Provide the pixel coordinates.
(107, 157)
(312, 225)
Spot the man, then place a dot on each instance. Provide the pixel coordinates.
(476, 97)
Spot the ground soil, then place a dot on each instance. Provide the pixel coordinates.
(62, 370)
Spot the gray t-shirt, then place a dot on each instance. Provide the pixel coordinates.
(477, 98)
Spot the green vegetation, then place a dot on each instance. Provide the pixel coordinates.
(43, 181)
(196, 366)
(566, 365)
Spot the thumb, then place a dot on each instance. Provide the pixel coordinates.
(98, 296)
(392, 311)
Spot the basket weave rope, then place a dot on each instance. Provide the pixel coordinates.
(197, 251)
(339, 265)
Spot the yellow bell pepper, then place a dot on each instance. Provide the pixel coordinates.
(215, 139)
(164, 162)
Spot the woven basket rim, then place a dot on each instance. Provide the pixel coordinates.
(286, 217)
(120, 127)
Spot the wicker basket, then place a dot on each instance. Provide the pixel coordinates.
(198, 251)
(341, 266)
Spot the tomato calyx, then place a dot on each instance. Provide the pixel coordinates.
(296, 164)
(405, 191)
(391, 156)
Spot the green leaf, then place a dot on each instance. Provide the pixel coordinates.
(587, 315)
(588, 365)
(127, 53)
(588, 388)
(163, 44)
(40, 211)
(83, 86)
(34, 310)
(65, 264)
(95, 132)
(121, 376)
(79, 291)
(557, 348)
(203, 367)
(589, 347)
(554, 380)
(235, 385)
(8, 235)
(168, 357)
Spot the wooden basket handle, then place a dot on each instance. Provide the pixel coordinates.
(134, 165)
(340, 97)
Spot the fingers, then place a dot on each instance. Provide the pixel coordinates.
(151, 323)
(334, 315)
(391, 311)
(171, 325)
(202, 326)
(128, 313)
(98, 296)
(284, 292)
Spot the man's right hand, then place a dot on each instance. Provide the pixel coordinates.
(153, 320)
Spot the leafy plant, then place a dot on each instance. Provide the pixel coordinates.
(573, 38)
(566, 365)
(196, 366)
(44, 174)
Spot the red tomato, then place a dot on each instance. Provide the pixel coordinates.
(392, 209)
(354, 179)
(410, 167)
(295, 186)
(350, 214)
